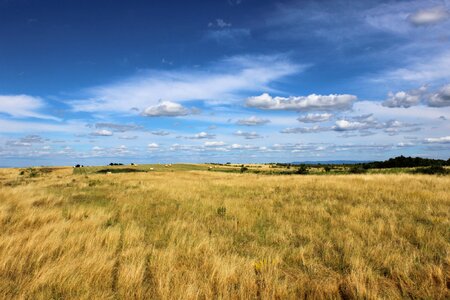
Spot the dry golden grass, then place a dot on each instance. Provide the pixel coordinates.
(206, 235)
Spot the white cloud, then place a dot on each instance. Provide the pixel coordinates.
(219, 23)
(102, 132)
(405, 99)
(314, 118)
(421, 69)
(153, 146)
(343, 125)
(119, 127)
(429, 16)
(313, 129)
(441, 98)
(303, 103)
(439, 140)
(160, 132)
(166, 109)
(28, 127)
(214, 144)
(221, 82)
(202, 135)
(128, 137)
(252, 121)
(241, 147)
(23, 106)
(248, 135)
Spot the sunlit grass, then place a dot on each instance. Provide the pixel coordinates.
(183, 234)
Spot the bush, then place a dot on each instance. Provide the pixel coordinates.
(357, 169)
(302, 170)
(243, 169)
(221, 211)
(30, 172)
(432, 170)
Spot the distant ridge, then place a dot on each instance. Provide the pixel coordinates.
(331, 162)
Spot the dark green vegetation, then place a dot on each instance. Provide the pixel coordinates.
(406, 162)
(396, 165)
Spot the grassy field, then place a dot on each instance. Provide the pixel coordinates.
(184, 232)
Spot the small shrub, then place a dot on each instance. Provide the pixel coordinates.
(30, 172)
(222, 211)
(302, 170)
(357, 169)
(432, 170)
(243, 169)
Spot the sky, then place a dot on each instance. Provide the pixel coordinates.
(98, 81)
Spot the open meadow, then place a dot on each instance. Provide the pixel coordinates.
(183, 232)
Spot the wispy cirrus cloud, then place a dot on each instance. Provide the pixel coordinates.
(252, 121)
(223, 81)
(438, 140)
(24, 106)
(247, 135)
(117, 127)
(429, 16)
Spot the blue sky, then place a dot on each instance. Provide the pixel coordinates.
(97, 81)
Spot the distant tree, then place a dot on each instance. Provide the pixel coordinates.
(432, 170)
(406, 162)
(357, 169)
(302, 170)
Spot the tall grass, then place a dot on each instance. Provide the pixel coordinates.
(203, 235)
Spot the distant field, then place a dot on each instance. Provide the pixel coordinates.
(263, 169)
(206, 232)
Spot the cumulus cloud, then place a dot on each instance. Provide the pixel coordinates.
(313, 129)
(23, 106)
(214, 144)
(166, 109)
(405, 99)
(429, 16)
(202, 135)
(248, 135)
(102, 132)
(219, 23)
(314, 118)
(344, 125)
(118, 127)
(439, 140)
(128, 137)
(152, 146)
(441, 98)
(252, 121)
(302, 103)
(241, 147)
(160, 132)
(18, 144)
